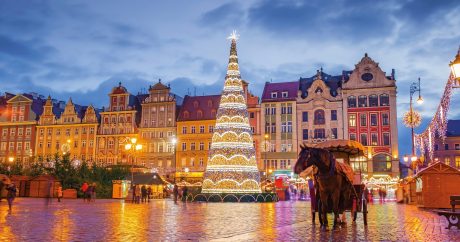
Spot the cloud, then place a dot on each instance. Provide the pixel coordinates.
(226, 15)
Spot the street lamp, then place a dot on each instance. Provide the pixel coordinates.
(132, 147)
(414, 87)
(265, 155)
(174, 142)
(455, 67)
(10, 159)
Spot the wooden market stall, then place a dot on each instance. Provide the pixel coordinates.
(43, 186)
(121, 188)
(435, 184)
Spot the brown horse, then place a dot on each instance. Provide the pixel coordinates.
(334, 188)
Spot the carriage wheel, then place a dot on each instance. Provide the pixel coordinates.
(365, 211)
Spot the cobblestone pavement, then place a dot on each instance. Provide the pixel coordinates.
(114, 220)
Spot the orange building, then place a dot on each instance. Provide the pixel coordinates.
(118, 125)
(68, 131)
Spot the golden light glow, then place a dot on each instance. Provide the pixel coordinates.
(138, 147)
(455, 66)
(413, 158)
(133, 140)
(11, 159)
(128, 146)
(420, 100)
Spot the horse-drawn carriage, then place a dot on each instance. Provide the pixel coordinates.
(335, 186)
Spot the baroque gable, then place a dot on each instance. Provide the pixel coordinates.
(19, 98)
(368, 74)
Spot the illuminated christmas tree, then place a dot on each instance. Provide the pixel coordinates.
(232, 166)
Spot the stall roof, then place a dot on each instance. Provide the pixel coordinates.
(148, 178)
(438, 167)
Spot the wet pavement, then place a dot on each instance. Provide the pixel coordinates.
(162, 220)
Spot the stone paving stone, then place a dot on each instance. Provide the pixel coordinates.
(162, 220)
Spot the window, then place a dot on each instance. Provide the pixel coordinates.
(374, 139)
(273, 110)
(304, 116)
(373, 101)
(48, 144)
(334, 133)
(319, 117)
(201, 128)
(199, 114)
(352, 102)
(284, 94)
(364, 139)
(362, 101)
(83, 143)
(274, 95)
(201, 162)
(42, 131)
(267, 110)
(320, 134)
(289, 109)
(251, 115)
(19, 146)
(28, 131)
(211, 129)
(385, 119)
(283, 109)
(384, 100)
(386, 138)
(76, 131)
(382, 163)
(192, 146)
(436, 147)
(193, 130)
(447, 160)
(333, 115)
(457, 161)
(91, 143)
(184, 146)
(20, 131)
(50, 131)
(5, 132)
(353, 137)
(3, 146)
(183, 162)
(67, 132)
(457, 146)
(352, 120)
(201, 145)
(362, 120)
(184, 130)
(373, 119)
(305, 134)
(446, 146)
(27, 146)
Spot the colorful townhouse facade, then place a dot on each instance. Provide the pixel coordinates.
(71, 131)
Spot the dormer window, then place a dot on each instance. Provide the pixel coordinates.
(195, 104)
(209, 103)
(274, 95)
(284, 94)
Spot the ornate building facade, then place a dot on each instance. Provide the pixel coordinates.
(319, 109)
(158, 128)
(118, 125)
(369, 101)
(69, 131)
(449, 150)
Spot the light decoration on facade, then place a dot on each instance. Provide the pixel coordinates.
(380, 181)
(412, 119)
(232, 166)
(438, 125)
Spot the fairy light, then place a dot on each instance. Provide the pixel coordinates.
(232, 165)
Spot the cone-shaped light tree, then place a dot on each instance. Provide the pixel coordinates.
(232, 166)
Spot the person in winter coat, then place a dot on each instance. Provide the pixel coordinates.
(59, 193)
(138, 193)
(11, 195)
(83, 189)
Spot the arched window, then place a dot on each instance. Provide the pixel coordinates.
(384, 100)
(209, 103)
(199, 114)
(373, 100)
(319, 117)
(362, 101)
(382, 163)
(352, 102)
(195, 104)
(186, 114)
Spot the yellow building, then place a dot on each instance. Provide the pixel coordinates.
(69, 131)
(195, 126)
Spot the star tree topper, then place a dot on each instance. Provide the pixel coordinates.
(233, 36)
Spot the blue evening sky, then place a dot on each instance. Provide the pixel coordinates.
(83, 48)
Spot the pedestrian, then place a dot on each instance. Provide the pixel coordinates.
(59, 193)
(83, 189)
(138, 194)
(184, 193)
(88, 192)
(93, 192)
(133, 193)
(144, 193)
(175, 192)
(2, 184)
(149, 193)
(11, 195)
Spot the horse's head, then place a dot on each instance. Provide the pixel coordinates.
(311, 156)
(305, 159)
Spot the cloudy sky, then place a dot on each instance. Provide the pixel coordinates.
(83, 48)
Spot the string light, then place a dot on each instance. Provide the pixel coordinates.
(438, 125)
(232, 166)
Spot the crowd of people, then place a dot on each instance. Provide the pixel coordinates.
(89, 192)
(141, 194)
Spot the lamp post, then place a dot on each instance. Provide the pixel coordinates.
(455, 68)
(132, 147)
(174, 142)
(414, 87)
(265, 155)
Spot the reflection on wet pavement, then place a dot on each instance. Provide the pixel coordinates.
(111, 220)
